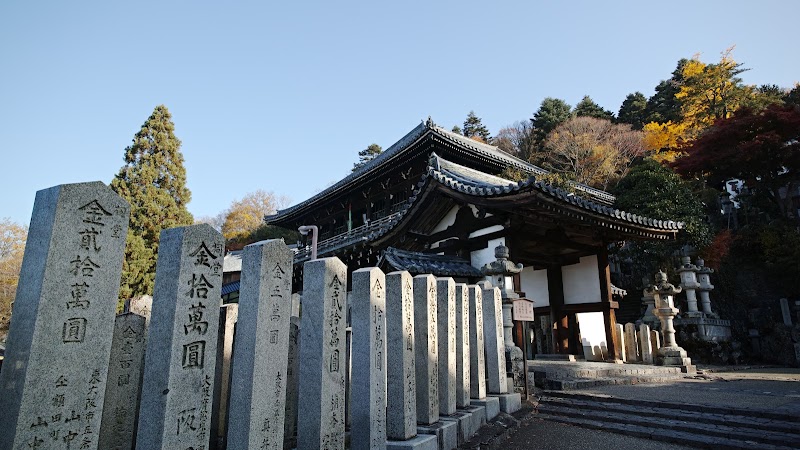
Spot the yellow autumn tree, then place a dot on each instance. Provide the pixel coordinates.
(664, 139)
(711, 91)
(246, 215)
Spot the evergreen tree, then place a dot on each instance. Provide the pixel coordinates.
(457, 129)
(551, 113)
(663, 106)
(153, 181)
(793, 96)
(633, 110)
(588, 108)
(367, 155)
(474, 128)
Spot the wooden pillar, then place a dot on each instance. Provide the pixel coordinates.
(609, 305)
(555, 286)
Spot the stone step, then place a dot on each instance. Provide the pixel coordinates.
(698, 426)
(569, 384)
(650, 411)
(670, 436)
(755, 413)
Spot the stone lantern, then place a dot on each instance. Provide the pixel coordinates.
(501, 272)
(649, 303)
(670, 354)
(689, 284)
(705, 287)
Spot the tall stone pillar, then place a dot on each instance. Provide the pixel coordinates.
(649, 304)
(260, 364)
(322, 362)
(53, 382)
(180, 361)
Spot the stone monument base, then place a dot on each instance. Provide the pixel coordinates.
(446, 433)
(418, 442)
(464, 421)
(708, 328)
(478, 416)
(490, 405)
(673, 356)
(509, 403)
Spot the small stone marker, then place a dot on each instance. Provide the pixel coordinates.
(631, 346)
(121, 407)
(53, 382)
(258, 394)
(462, 346)
(182, 341)
(645, 349)
(228, 314)
(141, 305)
(619, 344)
(497, 382)
(426, 353)
(322, 347)
(446, 325)
(401, 400)
(655, 341)
(292, 373)
(368, 319)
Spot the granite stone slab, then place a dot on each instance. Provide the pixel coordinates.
(426, 351)
(228, 315)
(497, 382)
(491, 406)
(462, 346)
(126, 365)
(401, 400)
(418, 442)
(446, 325)
(477, 364)
(53, 383)
(180, 361)
(322, 363)
(258, 393)
(368, 319)
(292, 375)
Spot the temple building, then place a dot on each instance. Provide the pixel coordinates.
(434, 203)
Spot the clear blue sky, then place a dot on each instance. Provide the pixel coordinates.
(282, 95)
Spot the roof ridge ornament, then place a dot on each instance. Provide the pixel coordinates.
(433, 162)
(429, 123)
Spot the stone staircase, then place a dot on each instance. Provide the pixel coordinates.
(679, 423)
(565, 376)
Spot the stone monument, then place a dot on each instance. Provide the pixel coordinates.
(123, 389)
(688, 274)
(53, 382)
(446, 325)
(228, 315)
(322, 361)
(260, 372)
(182, 341)
(705, 288)
(368, 320)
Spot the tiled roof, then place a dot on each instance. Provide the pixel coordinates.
(473, 182)
(420, 263)
(230, 287)
(490, 152)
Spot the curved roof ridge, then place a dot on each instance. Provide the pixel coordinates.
(458, 177)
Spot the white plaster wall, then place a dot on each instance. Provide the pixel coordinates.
(534, 284)
(480, 257)
(581, 281)
(486, 230)
(448, 220)
(593, 335)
